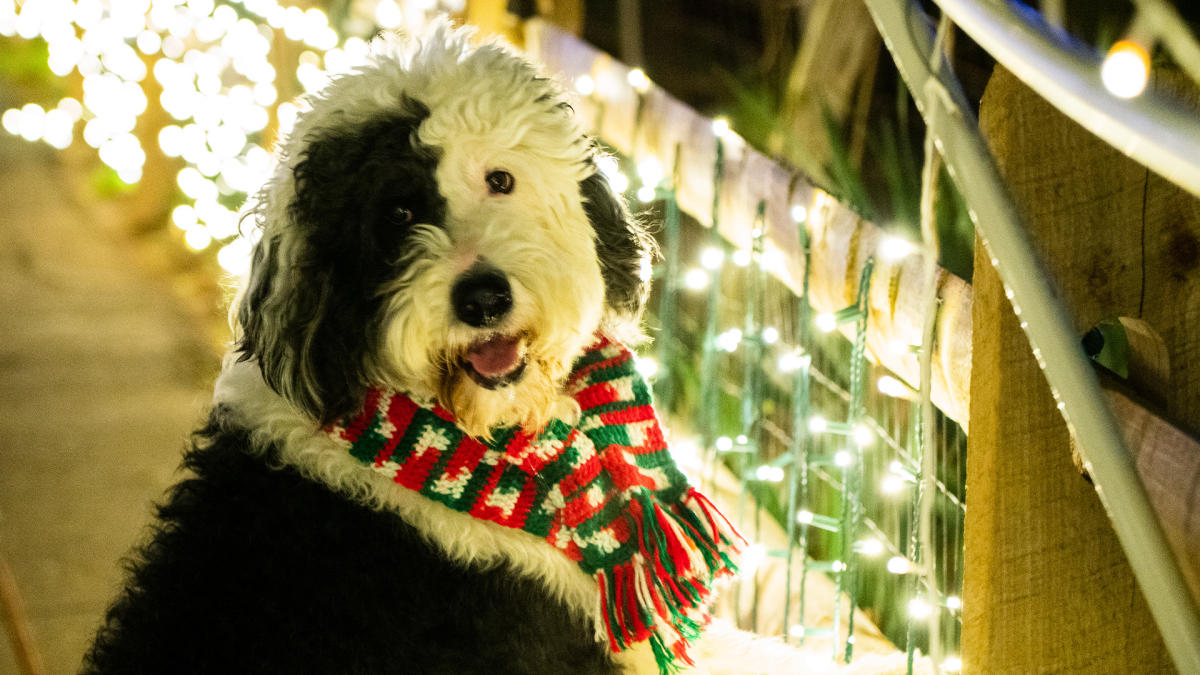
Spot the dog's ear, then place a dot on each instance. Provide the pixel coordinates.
(625, 248)
(305, 344)
(306, 314)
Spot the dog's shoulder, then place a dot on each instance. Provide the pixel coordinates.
(254, 567)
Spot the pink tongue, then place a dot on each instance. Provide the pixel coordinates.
(495, 356)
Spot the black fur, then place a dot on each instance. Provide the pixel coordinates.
(254, 569)
(622, 244)
(350, 186)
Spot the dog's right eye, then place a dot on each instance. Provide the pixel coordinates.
(401, 216)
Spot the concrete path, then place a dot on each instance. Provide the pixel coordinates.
(102, 377)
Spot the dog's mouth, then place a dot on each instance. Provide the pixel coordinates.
(496, 361)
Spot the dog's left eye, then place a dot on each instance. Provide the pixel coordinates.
(500, 182)
(401, 215)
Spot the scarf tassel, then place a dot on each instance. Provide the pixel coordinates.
(659, 594)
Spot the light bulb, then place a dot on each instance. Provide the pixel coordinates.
(1126, 69)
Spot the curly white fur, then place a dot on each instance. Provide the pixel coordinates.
(489, 110)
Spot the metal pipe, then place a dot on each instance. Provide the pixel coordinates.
(1151, 129)
(905, 31)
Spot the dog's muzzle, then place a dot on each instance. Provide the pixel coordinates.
(481, 298)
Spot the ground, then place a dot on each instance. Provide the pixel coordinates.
(102, 376)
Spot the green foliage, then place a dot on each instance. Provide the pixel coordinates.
(23, 67)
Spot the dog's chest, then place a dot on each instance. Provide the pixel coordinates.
(288, 576)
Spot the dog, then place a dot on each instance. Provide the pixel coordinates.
(436, 223)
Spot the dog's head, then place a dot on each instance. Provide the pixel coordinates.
(437, 224)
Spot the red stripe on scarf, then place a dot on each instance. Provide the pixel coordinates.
(355, 428)
(400, 413)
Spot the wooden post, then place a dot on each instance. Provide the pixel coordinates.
(1047, 586)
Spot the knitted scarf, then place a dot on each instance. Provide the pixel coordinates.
(604, 491)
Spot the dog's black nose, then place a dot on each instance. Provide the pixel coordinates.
(482, 298)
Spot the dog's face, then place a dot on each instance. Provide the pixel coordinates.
(436, 224)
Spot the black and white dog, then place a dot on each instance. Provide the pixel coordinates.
(436, 223)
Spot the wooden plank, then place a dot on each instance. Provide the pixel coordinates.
(1168, 462)
(1047, 586)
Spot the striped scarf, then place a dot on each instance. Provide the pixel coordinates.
(604, 491)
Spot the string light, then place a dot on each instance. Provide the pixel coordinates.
(953, 603)
(891, 484)
(585, 85)
(647, 367)
(729, 340)
(893, 248)
(741, 258)
(890, 386)
(869, 547)
(863, 435)
(752, 557)
(712, 258)
(794, 360)
(899, 565)
(817, 424)
(952, 664)
(919, 609)
(843, 458)
(650, 170)
(720, 127)
(770, 335)
(1126, 69)
(826, 322)
(638, 80)
(695, 279)
(724, 444)
(799, 213)
(766, 472)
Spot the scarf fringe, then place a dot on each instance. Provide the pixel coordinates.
(660, 594)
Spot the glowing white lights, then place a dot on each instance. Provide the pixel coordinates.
(645, 193)
(869, 547)
(863, 435)
(843, 458)
(953, 603)
(773, 474)
(919, 609)
(817, 424)
(729, 340)
(696, 279)
(647, 367)
(720, 127)
(804, 517)
(388, 14)
(799, 213)
(952, 664)
(891, 484)
(1126, 69)
(825, 322)
(770, 335)
(892, 248)
(741, 258)
(197, 238)
(752, 557)
(650, 170)
(712, 258)
(638, 80)
(890, 386)
(585, 85)
(899, 565)
(724, 444)
(794, 360)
